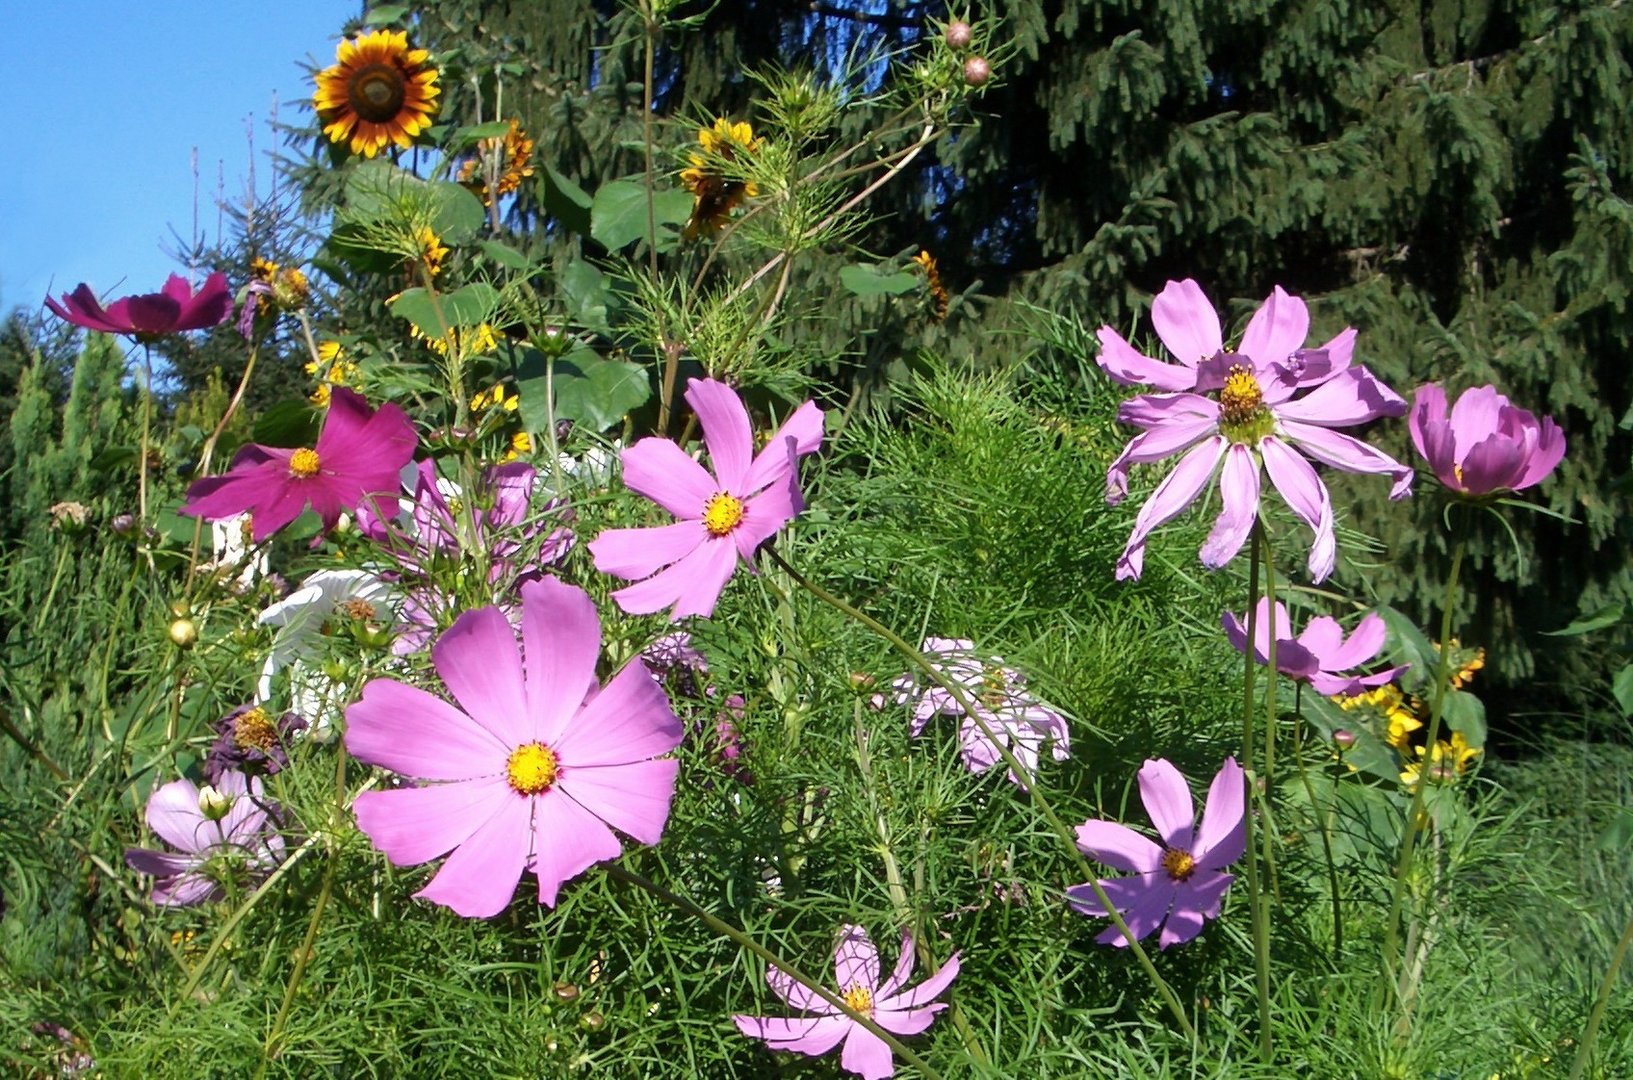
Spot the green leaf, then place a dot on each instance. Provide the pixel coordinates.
(868, 280)
(492, 130)
(113, 457)
(1465, 713)
(288, 423)
(1609, 615)
(1619, 833)
(385, 14)
(456, 215)
(591, 391)
(463, 309)
(568, 203)
(618, 215)
(505, 255)
(1411, 647)
(1622, 687)
(585, 290)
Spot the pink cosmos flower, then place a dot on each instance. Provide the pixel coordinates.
(1485, 445)
(216, 831)
(531, 770)
(1180, 883)
(723, 518)
(891, 1005)
(1020, 721)
(1318, 655)
(170, 311)
(358, 457)
(1252, 419)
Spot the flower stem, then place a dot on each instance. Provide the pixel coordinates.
(1403, 869)
(741, 939)
(1266, 798)
(1321, 822)
(1591, 1033)
(10, 728)
(920, 661)
(1255, 898)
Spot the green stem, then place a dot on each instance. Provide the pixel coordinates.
(1266, 803)
(10, 728)
(1403, 870)
(1321, 822)
(1255, 898)
(1591, 1033)
(742, 940)
(1029, 782)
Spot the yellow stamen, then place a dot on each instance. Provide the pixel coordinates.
(304, 463)
(722, 513)
(361, 610)
(1241, 397)
(859, 998)
(1178, 864)
(254, 729)
(531, 768)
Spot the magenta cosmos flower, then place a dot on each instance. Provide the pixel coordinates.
(1229, 413)
(891, 1005)
(724, 517)
(218, 832)
(531, 770)
(1320, 654)
(1180, 883)
(1020, 721)
(1485, 445)
(170, 311)
(359, 457)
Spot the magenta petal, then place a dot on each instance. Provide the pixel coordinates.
(1476, 415)
(1428, 406)
(1167, 799)
(662, 471)
(1239, 491)
(413, 733)
(1548, 453)
(1171, 437)
(637, 553)
(1277, 330)
(726, 429)
(1222, 836)
(416, 825)
(629, 720)
(856, 961)
(1127, 365)
(1493, 464)
(1353, 397)
(632, 798)
(866, 1055)
(1177, 491)
(1306, 495)
(1350, 454)
(925, 991)
(479, 879)
(810, 1035)
(1118, 846)
(562, 636)
(764, 514)
(567, 840)
(478, 660)
(1186, 323)
(1364, 643)
(692, 586)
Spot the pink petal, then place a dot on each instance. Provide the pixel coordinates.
(795, 995)
(1352, 397)
(629, 720)
(632, 798)
(926, 991)
(813, 1035)
(183, 891)
(416, 825)
(1364, 643)
(173, 814)
(413, 733)
(1277, 330)
(909, 1021)
(856, 961)
(1222, 836)
(1494, 464)
(1181, 432)
(1476, 415)
(661, 471)
(1148, 898)
(1127, 365)
(637, 553)
(726, 430)
(903, 970)
(1428, 406)
(800, 434)
(481, 666)
(692, 585)
(1195, 901)
(561, 634)
(866, 1055)
(1239, 489)
(1118, 846)
(1186, 323)
(1549, 452)
(479, 879)
(1177, 491)
(1299, 486)
(764, 514)
(1352, 455)
(567, 840)
(1167, 799)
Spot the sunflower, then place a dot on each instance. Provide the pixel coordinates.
(429, 251)
(515, 163)
(378, 91)
(717, 195)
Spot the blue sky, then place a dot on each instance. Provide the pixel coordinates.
(106, 102)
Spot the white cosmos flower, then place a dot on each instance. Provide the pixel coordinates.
(304, 620)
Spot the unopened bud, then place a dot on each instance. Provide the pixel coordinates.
(212, 803)
(592, 1020)
(123, 524)
(1344, 738)
(566, 991)
(959, 34)
(183, 633)
(976, 71)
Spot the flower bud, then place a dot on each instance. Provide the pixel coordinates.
(977, 71)
(212, 803)
(959, 34)
(123, 525)
(565, 991)
(1344, 738)
(183, 633)
(593, 1020)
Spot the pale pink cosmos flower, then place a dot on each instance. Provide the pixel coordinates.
(357, 458)
(1019, 720)
(1319, 655)
(1251, 419)
(891, 1005)
(1180, 883)
(217, 832)
(1485, 445)
(724, 517)
(532, 769)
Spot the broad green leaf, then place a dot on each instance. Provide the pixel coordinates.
(1622, 687)
(1465, 713)
(618, 213)
(505, 255)
(867, 280)
(456, 215)
(288, 423)
(585, 290)
(1411, 646)
(463, 309)
(492, 130)
(1619, 833)
(568, 203)
(591, 391)
(385, 14)
(1609, 615)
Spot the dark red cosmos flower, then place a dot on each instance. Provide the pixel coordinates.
(170, 311)
(358, 458)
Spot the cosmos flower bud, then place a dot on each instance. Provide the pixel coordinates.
(184, 633)
(213, 804)
(959, 35)
(977, 71)
(1344, 738)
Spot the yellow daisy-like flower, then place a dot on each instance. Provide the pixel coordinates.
(331, 369)
(1448, 761)
(379, 91)
(431, 249)
(932, 278)
(717, 195)
(263, 270)
(520, 443)
(515, 152)
(495, 398)
(290, 289)
(477, 342)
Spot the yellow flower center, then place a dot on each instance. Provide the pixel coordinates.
(1241, 396)
(254, 730)
(531, 768)
(1179, 864)
(360, 610)
(304, 463)
(722, 513)
(376, 92)
(859, 998)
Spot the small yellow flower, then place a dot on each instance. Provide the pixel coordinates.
(520, 443)
(430, 251)
(331, 368)
(263, 269)
(290, 289)
(717, 195)
(932, 278)
(478, 342)
(496, 398)
(1449, 761)
(515, 152)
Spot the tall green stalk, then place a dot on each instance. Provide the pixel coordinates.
(1591, 1034)
(1255, 894)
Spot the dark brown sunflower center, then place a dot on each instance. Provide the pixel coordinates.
(376, 92)
(1179, 864)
